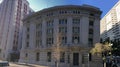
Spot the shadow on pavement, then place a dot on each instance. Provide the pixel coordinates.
(29, 65)
(26, 65)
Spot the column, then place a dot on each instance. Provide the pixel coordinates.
(56, 29)
(24, 38)
(44, 33)
(84, 29)
(96, 35)
(69, 30)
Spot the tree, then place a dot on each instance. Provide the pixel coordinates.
(100, 48)
(56, 50)
(116, 46)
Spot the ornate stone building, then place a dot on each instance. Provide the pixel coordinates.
(60, 34)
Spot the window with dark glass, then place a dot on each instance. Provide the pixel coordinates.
(90, 31)
(62, 56)
(90, 41)
(91, 14)
(15, 47)
(37, 56)
(76, 21)
(26, 55)
(28, 29)
(37, 43)
(28, 36)
(37, 33)
(91, 23)
(49, 41)
(50, 31)
(76, 12)
(62, 21)
(49, 23)
(63, 39)
(49, 56)
(75, 39)
(62, 29)
(62, 12)
(38, 26)
(68, 58)
(27, 44)
(76, 30)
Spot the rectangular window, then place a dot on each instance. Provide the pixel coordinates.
(91, 31)
(63, 39)
(28, 29)
(37, 43)
(49, 23)
(49, 56)
(62, 29)
(62, 21)
(49, 31)
(76, 21)
(91, 23)
(62, 56)
(37, 56)
(14, 48)
(28, 36)
(90, 42)
(75, 39)
(91, 14)
(26, 55)
(63, 12)
(37, 26)
(49, 41)
(68, 58)
(27, 44)
(76, 30)
(37, 33)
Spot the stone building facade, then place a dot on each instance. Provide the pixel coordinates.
(60, 34)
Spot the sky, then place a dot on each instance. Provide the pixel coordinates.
(104, 5)
(1, 1)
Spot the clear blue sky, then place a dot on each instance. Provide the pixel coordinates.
(104, 5)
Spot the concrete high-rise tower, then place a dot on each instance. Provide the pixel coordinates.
(11, 14)
(110, 24)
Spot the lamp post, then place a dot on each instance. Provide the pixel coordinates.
(110, 53)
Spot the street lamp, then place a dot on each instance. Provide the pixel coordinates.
(111, 53)
(110, 45)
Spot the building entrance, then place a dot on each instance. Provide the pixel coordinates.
(75, 59)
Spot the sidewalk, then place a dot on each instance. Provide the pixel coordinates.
(24, 65)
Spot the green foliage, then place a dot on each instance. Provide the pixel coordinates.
(99, 48)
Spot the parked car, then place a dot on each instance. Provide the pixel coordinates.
(4, 63)
(117, 60)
